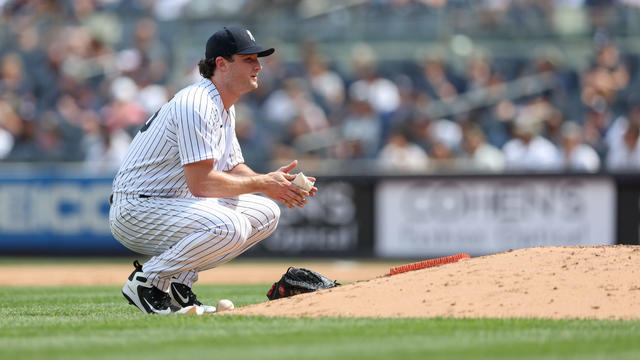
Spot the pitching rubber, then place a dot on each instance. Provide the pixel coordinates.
(427, 263)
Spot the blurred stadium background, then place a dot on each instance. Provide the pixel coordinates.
(434, 126)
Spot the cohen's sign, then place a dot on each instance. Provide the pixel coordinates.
(480, 216)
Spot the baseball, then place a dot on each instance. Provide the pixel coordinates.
(224, 305)
(303, 182)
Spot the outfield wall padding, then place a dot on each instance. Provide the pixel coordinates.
(45, 212)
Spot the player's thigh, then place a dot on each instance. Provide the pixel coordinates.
(153, 225)
(259, 210)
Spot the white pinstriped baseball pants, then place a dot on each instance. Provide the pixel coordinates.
(186, 236)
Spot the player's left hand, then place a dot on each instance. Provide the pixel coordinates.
(314, 189)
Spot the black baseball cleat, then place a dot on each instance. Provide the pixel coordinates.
(182, 296)
(139, 291)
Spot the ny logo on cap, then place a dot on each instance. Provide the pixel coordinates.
(251, 36)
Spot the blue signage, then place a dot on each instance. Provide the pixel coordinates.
(56, 215)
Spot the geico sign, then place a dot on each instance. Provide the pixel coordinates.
(55, 207)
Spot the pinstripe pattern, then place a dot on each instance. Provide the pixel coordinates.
(183, 233)
(190, 235)
(191, 127)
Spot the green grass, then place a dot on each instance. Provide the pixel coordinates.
(96, 323)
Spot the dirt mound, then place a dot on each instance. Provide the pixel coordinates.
(599, 282)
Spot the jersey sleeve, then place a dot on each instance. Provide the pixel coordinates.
(235, 155)
(198, 128)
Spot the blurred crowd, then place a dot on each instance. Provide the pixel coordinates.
(79, 77)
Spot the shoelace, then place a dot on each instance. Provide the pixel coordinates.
(137, 265)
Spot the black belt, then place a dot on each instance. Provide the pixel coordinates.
(142, 196)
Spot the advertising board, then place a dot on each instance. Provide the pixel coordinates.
(431, 217)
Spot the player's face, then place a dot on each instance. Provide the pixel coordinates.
(244, 72)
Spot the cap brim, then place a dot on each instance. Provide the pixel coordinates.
(256, 49)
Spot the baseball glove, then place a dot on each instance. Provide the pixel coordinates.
(298, 281)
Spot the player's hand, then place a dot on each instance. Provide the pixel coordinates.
(285, 169)
(314, 189)
(277, 186)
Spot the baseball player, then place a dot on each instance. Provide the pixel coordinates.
(183, 193)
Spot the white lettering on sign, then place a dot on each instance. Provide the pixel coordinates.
(15, 208)
(65, 207)
(334, 205)
(504, 201)
(480, 216)
(61, 208)
(326, 223)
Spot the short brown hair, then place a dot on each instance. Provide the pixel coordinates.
(208, 66)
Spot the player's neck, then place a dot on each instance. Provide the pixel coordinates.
(226, 94)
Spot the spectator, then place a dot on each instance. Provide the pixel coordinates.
(435, 81)
(325, 83)
(483, 156)
(104, 147)
(606, 77)
(479, 72)
(361, 130)
(11, 128)
(12, 76)
(625, 155)
(257, 148)
(291, 112)
(624, 152)
(576, 155)
(528, 151)
(401, 155)
(6, 143)
(64, 63)
(124, 111)
(445, 137)
(598, 127)
(147, 60)
(380, 92)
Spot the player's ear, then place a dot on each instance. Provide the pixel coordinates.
(222, 63)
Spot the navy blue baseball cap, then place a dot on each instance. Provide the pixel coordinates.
(234, 40)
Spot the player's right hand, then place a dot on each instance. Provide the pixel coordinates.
(285, 169)
(277, 186)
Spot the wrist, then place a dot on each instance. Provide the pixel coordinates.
(257, 183)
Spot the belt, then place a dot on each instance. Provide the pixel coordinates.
(141, 196)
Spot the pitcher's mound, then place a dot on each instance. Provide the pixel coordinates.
(600, 282)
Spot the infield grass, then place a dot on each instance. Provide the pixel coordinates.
(97, 323)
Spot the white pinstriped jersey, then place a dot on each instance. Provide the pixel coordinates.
(192, 126)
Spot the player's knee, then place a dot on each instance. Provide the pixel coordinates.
(274, 209)
(241, 232)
